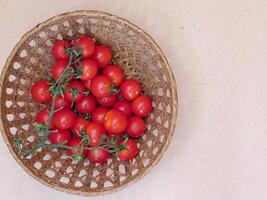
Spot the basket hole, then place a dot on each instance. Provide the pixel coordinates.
(131, 33)
(142, 42)
(16, 65)
(10, 117)
(80, 20)
(58, 164)
(122, 169)
(32, 43)
(47, 157)
(66, 23)
(95, 173)
(59, 37)
(122, 178)
(168, 93)
(40, 50)
(78, 184)
(159, 119)
(148, 126)
(21, 103)
(27, 70)
(164, 77)
(30, 138)
(93, 185)
(93, 21)
(86, 163)
(168, 109)
(74, 162)
(82, 173)
(145, 162)
(8, 104)
(155, 132)
(11, 77)
(54, 27)
(149, 143)
(33, 60)
(119, 26)
(106, 23)
(81, 30)
(64, 180)
(153, 104)
(144, 136)
(21, 92)
(37, 165)
(108, 184)
(109, 172)
(160, 106)
(69, 170)
(70, 33)
(151, 116)
(160, 92)
(134, 172)
(50, 173)
(160, 65)
(42, 34)
(25, 127)
(63, 157)
(22, 115)
(9, 90)
(155, 150)
(23, 81)
(13, 130)
(49, 43)
(23, 53)
(166, 124)
(141, 153)
(161, 139)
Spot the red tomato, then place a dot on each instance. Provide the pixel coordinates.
(136, 127)
(74, 84)
(89, 69)
(102, 55)
(130, 89)
(102, 86)
(58, 69)
(98, 155)
(61, 136)
(99, 114)
(79, 126)
(86, 105)
(42, 117)
(40, 92)
(87, 84)
(130, 151)
(64, 119)
(123, 106)
(115, 122)
(142, 106)
(61, 102)
(115, 73)
(58, 50)
(76, 142)
(108, 100)
(96, 131)
(87, 45)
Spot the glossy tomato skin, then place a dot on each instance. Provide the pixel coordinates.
(40, 92)
(130, 151)
(98, 155)
(142, 106)
(76, 142)
(130, 89)
(59, 137)
(61, 102)
(87, 45)
(58, 69)
(103, 55)
(136, 127)
(79, 126)
(96, 131)
(99, 114)
(42, 117)
(108, 101)
(64, 119)
(101, 86)
(89, 69)
(74, 84)
(115, 73)
(86, 105)
(123, 106)
(115, 122)
(58, 50)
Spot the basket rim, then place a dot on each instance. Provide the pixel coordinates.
(172, 82)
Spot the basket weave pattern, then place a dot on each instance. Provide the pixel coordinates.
(142, 59)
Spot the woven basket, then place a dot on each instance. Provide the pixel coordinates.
(142, 59)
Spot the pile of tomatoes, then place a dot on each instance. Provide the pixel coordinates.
(96, 112)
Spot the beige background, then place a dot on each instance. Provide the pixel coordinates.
(218, 53)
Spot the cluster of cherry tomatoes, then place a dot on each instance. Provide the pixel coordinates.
(97, 113)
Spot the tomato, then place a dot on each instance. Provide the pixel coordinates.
(142, 106)
(70, 87)
(96, 132)
(123, 106)
(136, 126)
(58, 50)
(79, 126)
(40, 92)
(87, 84)
(42, 117)
(115, 73)
(76, 142)
(99, 114)
(108, 101)
(115, 122)
(98, 155)
(58, 69)
(61, 102)
(130, 89)
(130, 151)
(101, 86)
(89, 69)
(87, 45)
(63, 119)
(103, 55)
(60, 136)
(86, 105)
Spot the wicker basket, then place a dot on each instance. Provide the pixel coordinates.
(142, 59)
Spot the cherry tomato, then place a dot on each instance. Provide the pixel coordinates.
(142, 106)
(130, 151)
(70, 87)
(40, 92)
(99, 114)
(87, 45)
(76, 142)
(136, 127)
(102, 55)
(79, 126)
(101, 86)
(108, 101)
(130, 89)
(115, 122)
(89, 69)
(86, 105)
(123, 106)
(98, 155)
(58, 69)
(63, 119)
(96, 132)
(115, 73)
(42, 117)
(61, 102)
(60, 136)
(58, 50)
(87, 84)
